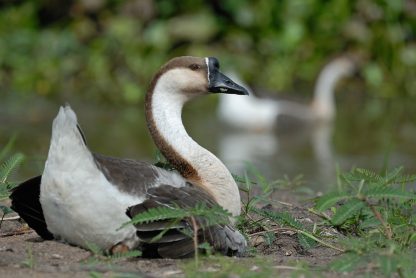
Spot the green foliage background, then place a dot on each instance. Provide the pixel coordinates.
(108, 49)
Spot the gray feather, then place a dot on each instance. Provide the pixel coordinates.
(159, 226)
(223, 238)
(132, 176)
(180, 249)
(170, 236)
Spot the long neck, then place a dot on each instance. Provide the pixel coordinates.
(324, 89)
(198, 165)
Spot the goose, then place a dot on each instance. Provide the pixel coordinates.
(83, 198)
(261, 114)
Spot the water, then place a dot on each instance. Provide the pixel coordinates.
(367, 133)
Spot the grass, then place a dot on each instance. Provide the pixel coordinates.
(376, 213)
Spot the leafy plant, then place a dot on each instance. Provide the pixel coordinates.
(369, 200)
(7, 168)
(379, 209)
(212, 216)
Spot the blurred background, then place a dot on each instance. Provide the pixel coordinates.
(99, 55)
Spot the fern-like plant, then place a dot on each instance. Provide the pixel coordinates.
(379, 209)
(7, 167)
(212, 215)
(368, 197)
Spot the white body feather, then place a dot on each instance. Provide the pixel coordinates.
(80, 205)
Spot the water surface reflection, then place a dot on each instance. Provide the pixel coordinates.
(313, 151)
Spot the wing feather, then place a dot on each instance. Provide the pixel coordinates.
(177, 244)
(135, 177)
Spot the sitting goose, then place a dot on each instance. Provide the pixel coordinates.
(261, 114)
(82, 197)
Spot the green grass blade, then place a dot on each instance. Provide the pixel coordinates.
(393, 175)
(363, 174)
(346, 211)
(5, 210)
(282, 218)
(129, 254)
(156, 214)
(306, 242)
(212, 215)
(261, 180)
(380, 192)
(330, 199)
(347, 262)
(388, 265)
(9, 166)
(269, 237)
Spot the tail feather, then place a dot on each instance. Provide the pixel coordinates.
(65, 124)
(25, 201)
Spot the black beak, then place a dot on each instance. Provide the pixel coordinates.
(219, 83)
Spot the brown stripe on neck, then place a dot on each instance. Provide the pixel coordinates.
(174, 158)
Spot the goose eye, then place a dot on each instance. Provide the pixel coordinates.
(194, 67)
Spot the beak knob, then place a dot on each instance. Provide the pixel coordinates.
(219, 82)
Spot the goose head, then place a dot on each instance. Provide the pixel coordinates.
(194, 76)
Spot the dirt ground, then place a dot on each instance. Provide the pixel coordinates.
(24, 254)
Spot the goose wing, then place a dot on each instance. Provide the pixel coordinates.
(175, 243)
(135, 177)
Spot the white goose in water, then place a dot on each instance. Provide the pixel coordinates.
(82, 197)
(259, 114)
